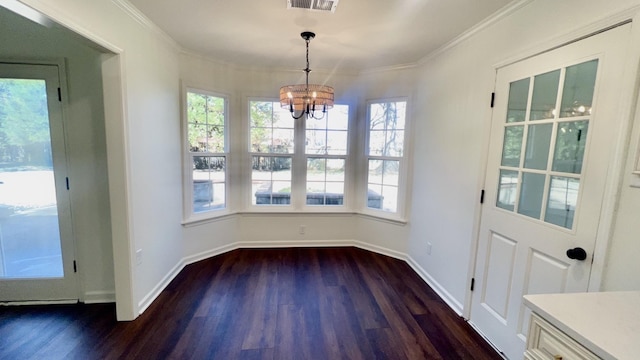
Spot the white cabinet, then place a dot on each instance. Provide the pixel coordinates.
(546, 342)
(602, 325)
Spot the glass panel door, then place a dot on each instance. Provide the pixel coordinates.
(36, 247)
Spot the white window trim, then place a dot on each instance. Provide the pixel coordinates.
(189, 216)
(401, 213)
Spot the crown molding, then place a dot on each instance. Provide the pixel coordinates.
(492, 19)
(143, 20)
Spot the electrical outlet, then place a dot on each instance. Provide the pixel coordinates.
(428, 248)
(139, 257)
(302, 230)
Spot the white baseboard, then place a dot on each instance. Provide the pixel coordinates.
(454, 304)
(209, 253)
(99, 297)
(293, 243)
(155, 292)
(380, 250)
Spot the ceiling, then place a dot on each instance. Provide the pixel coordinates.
(361, 34)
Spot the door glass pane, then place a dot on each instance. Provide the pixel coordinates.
(577, 94)
(570, 144)
(563, 197)
(537, 152)
(518, 97)
(29, 230)
(512, 146)
(530, 203)
(545, 92)
(507, 189)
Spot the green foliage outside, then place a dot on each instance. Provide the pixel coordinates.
(205, 118)
(24, 123)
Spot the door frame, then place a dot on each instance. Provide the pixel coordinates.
(627, 112)
(60, 64)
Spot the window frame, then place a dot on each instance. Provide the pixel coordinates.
(189, 216)
(404, 161)
(299, 157)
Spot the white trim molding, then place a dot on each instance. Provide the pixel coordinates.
(99, 297)
(454, 304)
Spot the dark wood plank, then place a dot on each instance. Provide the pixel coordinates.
(297, 303)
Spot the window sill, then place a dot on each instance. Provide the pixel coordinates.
(210, 218)
(290, 212)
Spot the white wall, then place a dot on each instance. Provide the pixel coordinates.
(454, 90)
(85, 144)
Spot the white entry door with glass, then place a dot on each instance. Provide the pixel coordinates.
(552, 138)
(36, 243)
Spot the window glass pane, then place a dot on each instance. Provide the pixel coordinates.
(338, 117)
(197, 137)
(208, 183)
(518, 97)
(316, 142)
(316, 169)
(563, 197)
(374, 196)
(375, 171)
(205, 123)
(391, 171)
(321, 138)
(337, 142)
(261, 113)
(545, 92)
(507, 189)
(376, 142)
(376, 117)
(325, 181)
(570, 144)
(512, 146)
(386, 124)
(577, 94)
(400, 118)
(394, 143)
(383, 184)
(537, 149)
(313, 123)
(282, 141)
(271, 128)
(390, 198)
(531, 192)
(271, 180)
(335, 169)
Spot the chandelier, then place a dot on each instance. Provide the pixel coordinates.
(306, 99)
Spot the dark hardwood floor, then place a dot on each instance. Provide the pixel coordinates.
(299, 303)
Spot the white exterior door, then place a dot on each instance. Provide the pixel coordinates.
(552, 139)
(36, 242)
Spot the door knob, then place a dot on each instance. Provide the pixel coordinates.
(577, 254)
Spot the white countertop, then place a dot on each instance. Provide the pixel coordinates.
(607, 323)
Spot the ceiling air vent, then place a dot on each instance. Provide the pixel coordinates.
(319, 5)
